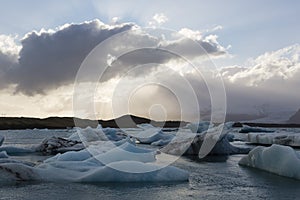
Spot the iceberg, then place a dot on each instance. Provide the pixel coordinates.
(11, 171)
(145, 126)
(152, 135)
(277, 159)
(70, 156)
(282, 138)
(87, 135)
(154, 174)
(249, 129)
(127, 152)
(162, 142)
(56, 145)
(3, 154)
(102, 161)
(95, 134)
(216, 141)
(198, 127)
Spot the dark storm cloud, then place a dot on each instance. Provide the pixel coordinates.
(50, 59)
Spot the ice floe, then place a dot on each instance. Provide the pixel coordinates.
(249, 129)
(215, 141)
(56, 145)
(198, 127)
(154, 136)
(102, 161)
(282, 138)
(277, 159)
(94, 134)
(3, 154)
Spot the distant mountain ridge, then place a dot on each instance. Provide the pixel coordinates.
(126, 121)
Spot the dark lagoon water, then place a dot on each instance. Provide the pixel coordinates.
(216, 178)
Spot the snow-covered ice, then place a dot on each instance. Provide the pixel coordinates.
(278, 159)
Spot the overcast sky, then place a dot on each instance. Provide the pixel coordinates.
(253, 44)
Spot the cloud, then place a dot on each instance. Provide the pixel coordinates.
(158, 19)
(9, 51)
(271, 81)
(271, 67)
(269, 86)
(49, 59)
(44, 62)
(8, 45)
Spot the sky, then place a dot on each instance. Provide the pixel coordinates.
(252, 45)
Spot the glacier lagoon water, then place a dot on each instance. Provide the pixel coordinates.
(215, 178)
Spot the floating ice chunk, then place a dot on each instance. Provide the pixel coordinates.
(124, 164)
(79, 166)
(70, 156)
(134, 149)
(95, 134)
(126, 152)
(282, 138)
(217, 142)
(112, 134)
(3, 154)
(278, 159)
(121, 171)
(94, 148)
(126, 140)
(249, 129)
(198, 127)
(224, 147)
(56, 145)
(145, 126)
(161, 142)
(10, 160)
(16, 171)
(100, 147)
(110, 153)
(74, 156)
(155, 173)
(88, 134)
(150, 135)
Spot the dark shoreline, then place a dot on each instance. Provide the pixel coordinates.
(127, 121)
(266, 125)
